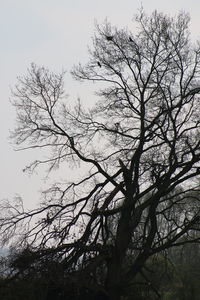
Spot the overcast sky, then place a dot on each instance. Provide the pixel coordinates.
(55, 34)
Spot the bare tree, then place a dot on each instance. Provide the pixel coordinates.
(138, 149)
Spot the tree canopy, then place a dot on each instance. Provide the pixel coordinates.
(138, 149)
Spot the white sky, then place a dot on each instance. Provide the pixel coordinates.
(55, 33)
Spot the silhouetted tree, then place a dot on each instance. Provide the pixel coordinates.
(135, 176)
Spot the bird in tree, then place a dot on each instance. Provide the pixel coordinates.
(109, 37)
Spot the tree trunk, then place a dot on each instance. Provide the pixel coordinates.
(113, 281)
